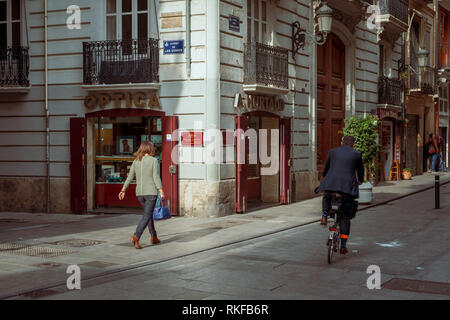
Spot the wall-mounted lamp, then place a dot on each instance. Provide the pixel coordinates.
(324, 19)
(423, 57)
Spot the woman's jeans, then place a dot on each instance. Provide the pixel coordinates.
(148, 203)
(434, 158)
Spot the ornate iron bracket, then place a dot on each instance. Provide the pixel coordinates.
(299, 38)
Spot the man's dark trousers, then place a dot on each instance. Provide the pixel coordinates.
(346, 210)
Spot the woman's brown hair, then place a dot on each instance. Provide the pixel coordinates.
(146, 147)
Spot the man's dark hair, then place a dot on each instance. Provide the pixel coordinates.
(348, 141)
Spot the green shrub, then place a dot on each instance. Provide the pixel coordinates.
(364, 130)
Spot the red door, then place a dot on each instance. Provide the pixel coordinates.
(330, 97)
(285, 161)
(169, 167)
(77, 165)
(240, 170)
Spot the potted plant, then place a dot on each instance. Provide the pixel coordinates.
(364, 130)
(406, 173)
(405, 122)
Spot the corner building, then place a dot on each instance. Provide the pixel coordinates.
(75, 103)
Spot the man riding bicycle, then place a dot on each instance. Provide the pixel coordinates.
(339, 177)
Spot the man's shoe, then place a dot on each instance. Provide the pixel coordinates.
(343, 251)
(155, 240)
(324, 221)
(135, 242)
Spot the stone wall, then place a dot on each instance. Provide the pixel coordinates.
(206, 199)
(30, 195)
(305, 183)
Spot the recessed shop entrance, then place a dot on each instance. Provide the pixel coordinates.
(108, 141)
(256, 185)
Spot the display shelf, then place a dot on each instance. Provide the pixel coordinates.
(114, 158)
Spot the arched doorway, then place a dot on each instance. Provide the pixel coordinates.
(330, 97)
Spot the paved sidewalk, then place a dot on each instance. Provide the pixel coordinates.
(35, 249)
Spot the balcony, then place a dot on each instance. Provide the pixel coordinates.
(389, 91)
(265, 69)
(121, 64)
(422, 81)
(14, 70)
(396, 8)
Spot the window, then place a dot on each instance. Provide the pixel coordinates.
(10, 23)
(256, 21)
(127, 19)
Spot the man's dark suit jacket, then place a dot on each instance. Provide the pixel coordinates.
(340, 168)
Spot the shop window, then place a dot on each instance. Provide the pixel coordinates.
(117, 139)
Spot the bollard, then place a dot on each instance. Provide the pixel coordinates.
(436, 193)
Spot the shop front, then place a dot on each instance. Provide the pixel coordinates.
(102, 148)
(262, 141)
(389, 140)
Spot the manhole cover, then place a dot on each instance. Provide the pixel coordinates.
(48, 265)
(76, 243)
(32, 251)
(418, 286)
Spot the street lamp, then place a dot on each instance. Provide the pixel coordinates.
(423, 57)
(324, 19)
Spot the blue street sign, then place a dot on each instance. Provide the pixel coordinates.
(234, 23)
(174, 47)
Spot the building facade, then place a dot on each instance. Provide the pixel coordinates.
(443, 66)
(76, 100)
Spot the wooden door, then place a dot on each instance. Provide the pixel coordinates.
(77, 165)
(240, 170)
(169, 159)
(285, 161)
(330, 98)
(270, 184)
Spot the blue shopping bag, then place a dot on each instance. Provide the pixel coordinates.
(161, 211)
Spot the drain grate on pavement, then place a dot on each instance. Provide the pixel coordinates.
(77, 243)
(418, 286)
(32, 250)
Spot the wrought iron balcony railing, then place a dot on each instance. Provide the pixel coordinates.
(266, 65)
(389, 91)
(396, 8)
(14, 67)
(424, 80)
(121, 62)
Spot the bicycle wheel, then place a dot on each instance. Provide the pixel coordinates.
(331, 244)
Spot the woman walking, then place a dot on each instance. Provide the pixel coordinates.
(148, 182)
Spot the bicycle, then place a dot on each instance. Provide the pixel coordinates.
(334, 239)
